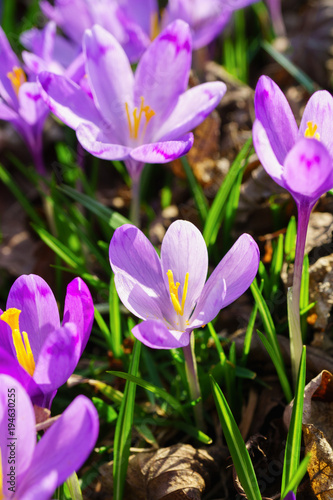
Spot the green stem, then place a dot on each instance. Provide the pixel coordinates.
(193, 382)
(135, 202)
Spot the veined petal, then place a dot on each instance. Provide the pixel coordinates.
(164, 151)
(319, 111)
(67, 100)
(111, 78)
(156, 335)
(39, 311)
(163, 72)
(184, 251)
(274, 113)
(61, 450)
(308, 170)
(32, 107)
(238, 269)
(79, 309)
(205, 32)
(138, 273)
(58, 358)
(266, 154)
(101, 142)
(192, 108)
(15, 404)
(9, 61)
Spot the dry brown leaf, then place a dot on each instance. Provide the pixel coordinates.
(318, 433)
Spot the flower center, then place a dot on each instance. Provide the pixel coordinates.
(154, 26)
(311, 131)
(137, 115)
(22, 346)
(173, 289)
(17, 77)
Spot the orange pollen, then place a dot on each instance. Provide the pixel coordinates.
(173, 290)
(311, 131)
(17, 77)
(137, 116)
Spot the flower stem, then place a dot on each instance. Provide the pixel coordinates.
(296, 341)
(193, 382)
(135, 202)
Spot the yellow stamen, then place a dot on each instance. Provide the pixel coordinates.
(22, 346)
(1, 478)
(134, 127)
(173, 289)
(17, 77)
(311, 131)
(154, 26)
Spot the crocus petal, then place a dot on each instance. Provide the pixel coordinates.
(79, 309)
(15, 404)
(143, 12)
(155, 334)
(164, 151)
(192, 108)
(101, 143)
(31, 105)
(39, 311)
(138, 273)
(67, 100)
(58, 358)
(308, 170)
(266, 154)
(163, 71)
(238, 269)
(184, 251)
(110, 77)
(319, 110)
(61, 451)
(8, 62)
(274, 113)
(204, 33)
(6, 113)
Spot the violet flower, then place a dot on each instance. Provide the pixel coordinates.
(30, 470)
(170, 293)
(141, 118)
(132, 23)
(207, 19)
(21, 103)
(298, 159)
(290, 496)
(35, 348)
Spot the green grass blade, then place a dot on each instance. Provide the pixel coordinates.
(290, 240)
(196, 190)
(123, 432)
(219, 348)
(294, 438)
(115, 320)
(74, 487)
(104, 329)
(298, 476)
(158, 391)
(280, 369)
(215, 214)
(113, 219)
(276, 265)
(248, 335)
(236, 445)
(293, 70)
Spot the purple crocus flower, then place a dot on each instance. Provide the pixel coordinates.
(30, 470)
(290, 496)
(170, 293)
(206, 18)
(141, 118)
(35, 348)
(20, 102)
(298, 159)
(133, 23)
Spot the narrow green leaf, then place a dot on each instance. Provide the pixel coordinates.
(196, 190)
(218, 344)
(294, 438)
(300, 473)
(215, 214)
(290, 240)
(276, 265)
(74, 487)
(248, 335)
(150, 387)
(104, 329)
(123, 431)
(115, 321)
(236, 445)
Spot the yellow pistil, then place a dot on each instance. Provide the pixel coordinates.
(173, 288)
(22, 346)
(17, 77)
(134, 127)
(154, 26)
(311, 131)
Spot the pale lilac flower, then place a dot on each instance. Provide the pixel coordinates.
(207, 18)
(133, 23)
(35, 348)
(141, 118)
(20, 102)
(170, 293)
(298, 159)
(31, 470)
